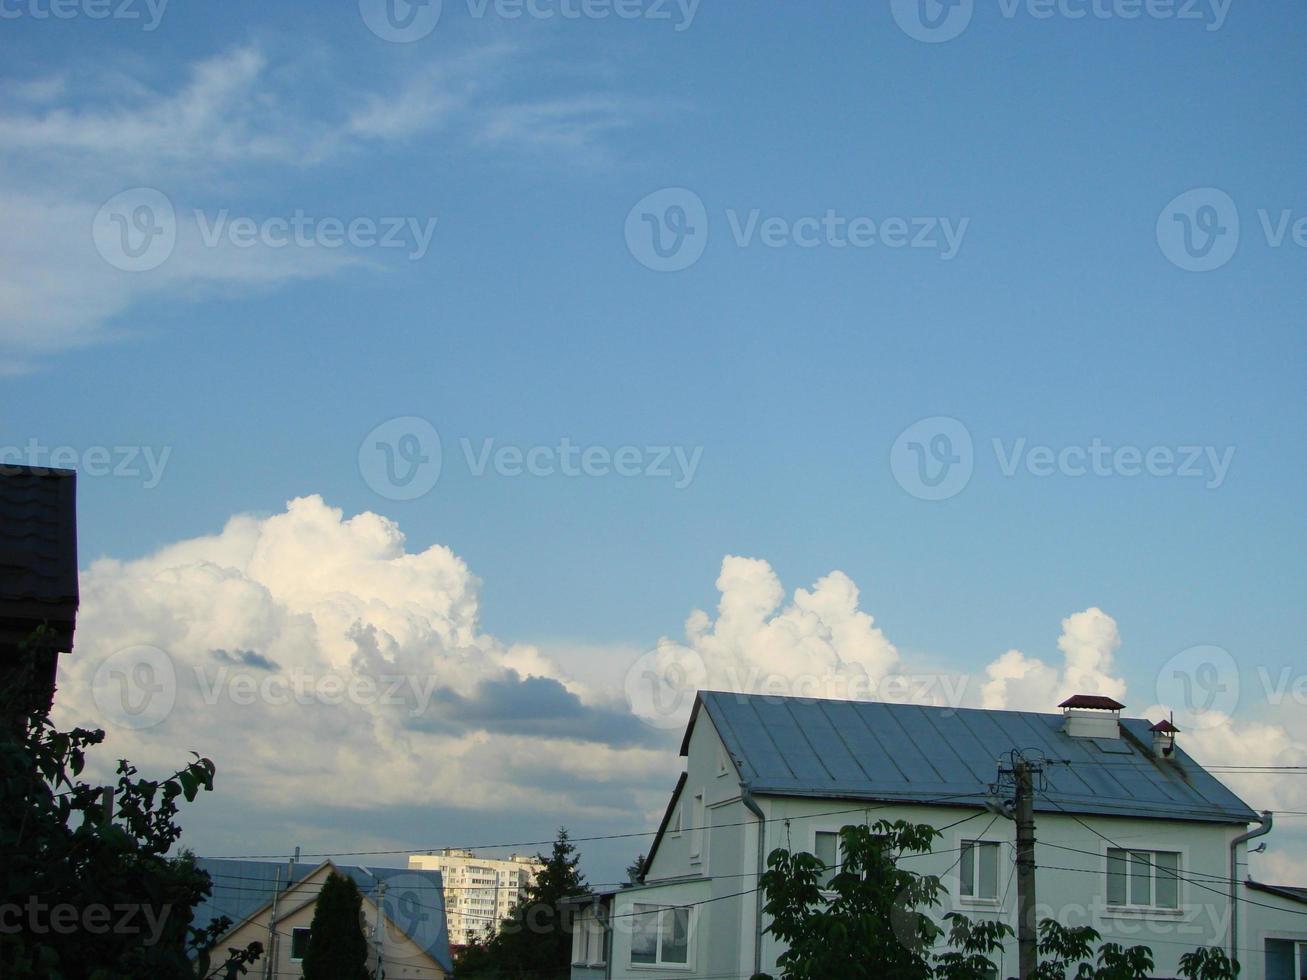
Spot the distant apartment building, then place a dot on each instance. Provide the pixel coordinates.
(479, 891)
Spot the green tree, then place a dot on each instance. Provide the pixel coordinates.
(1062, 948)
(1208, 963)
(635, 869)
(870, 918)
(337, 949)
(85, 867)
(535, 941)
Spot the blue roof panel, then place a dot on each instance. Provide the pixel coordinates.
(884, 751)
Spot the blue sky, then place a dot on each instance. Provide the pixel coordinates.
(529, 320)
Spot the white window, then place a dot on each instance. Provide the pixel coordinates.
(1286, 960)
(588, 941)
(826, 849)
(722, 766)
(1143, 879)
(978, 870)
(675, 828)
(660, 936)
(696, 828)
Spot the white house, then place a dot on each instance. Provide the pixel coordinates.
(1134, 837)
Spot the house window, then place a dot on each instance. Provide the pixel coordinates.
(676, 819)
(826, 849)
(660, 936)
(299, 944)
(1143, 879)
(696, 829)
(978, 870)
(1286, 960)
(588, 942)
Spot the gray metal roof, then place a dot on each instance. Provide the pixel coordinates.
(414, 900)
(871, 750)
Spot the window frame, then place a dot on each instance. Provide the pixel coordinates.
(293, 931)
(698, 818)
(839, 854)
(1152, 849)
(979, 901)
(591, 931)
(659, 932)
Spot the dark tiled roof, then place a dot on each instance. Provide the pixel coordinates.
(38, 552)
(414, 900)
(1098, 701)
(873, 750)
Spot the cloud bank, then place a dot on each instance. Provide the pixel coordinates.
(314, 657)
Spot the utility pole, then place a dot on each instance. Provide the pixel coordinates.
(1021, 776)
(1027, 942)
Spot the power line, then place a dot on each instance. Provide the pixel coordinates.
(424, 850)
(1236, 898)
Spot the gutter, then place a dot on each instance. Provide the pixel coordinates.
(746, 797)
(1266, 820)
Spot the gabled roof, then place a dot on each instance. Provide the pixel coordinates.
(38, 552)
(242, 889)
(872, 750)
